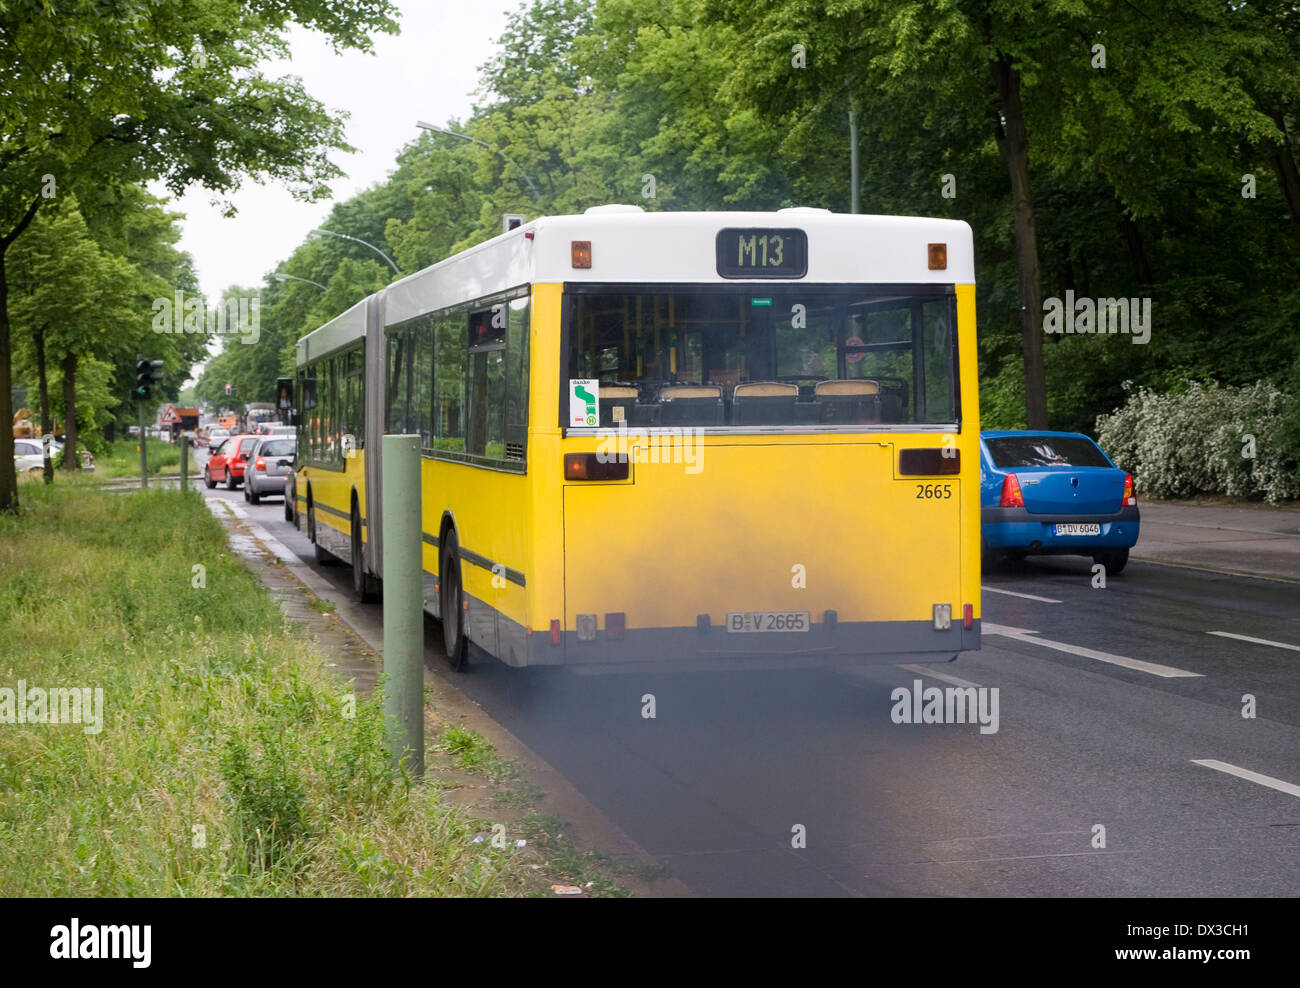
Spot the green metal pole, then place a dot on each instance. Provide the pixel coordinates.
(185, 463)
(144, 462)
(403, 601)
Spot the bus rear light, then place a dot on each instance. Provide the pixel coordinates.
(830, 619)
(703, 623)
(615, 624)
(938, 255)
(555, 632)
(581, 253)
(1011, 496)
(586, 627)
(1130, 496)
(929, 462)
(587, 466)
(942, 617)
(969, 616)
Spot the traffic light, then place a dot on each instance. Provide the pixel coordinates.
(227, 389)
(147, 372)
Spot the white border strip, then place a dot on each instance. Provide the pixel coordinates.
(1031, 638)
(1026, 596)
(1257, 641)
(1248, 775)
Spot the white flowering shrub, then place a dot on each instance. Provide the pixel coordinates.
(1208, 439)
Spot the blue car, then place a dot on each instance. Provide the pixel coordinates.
(1055, 492)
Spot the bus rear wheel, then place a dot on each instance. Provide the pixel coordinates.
(323, 556)
(363, 585)
(454, 642)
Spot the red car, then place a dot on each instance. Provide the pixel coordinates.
(226, 462)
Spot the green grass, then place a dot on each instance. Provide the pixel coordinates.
(123, 459)
(476, 753)
(222, 727)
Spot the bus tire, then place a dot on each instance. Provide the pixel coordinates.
(363, 585)
(454, 642)
(323, 555)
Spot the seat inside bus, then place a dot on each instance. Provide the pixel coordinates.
(764, 403)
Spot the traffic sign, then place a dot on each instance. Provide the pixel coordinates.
(169, 416)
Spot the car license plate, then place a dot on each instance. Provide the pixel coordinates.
(739, 622)
(1078, 529)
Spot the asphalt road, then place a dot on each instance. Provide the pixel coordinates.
(1108, 698)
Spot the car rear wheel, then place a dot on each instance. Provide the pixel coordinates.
(251, 492)
(207, 478)
(288, 507)
(1113, 559)
(230, 478)
(454, 642)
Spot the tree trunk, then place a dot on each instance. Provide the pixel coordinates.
(1137, 250)
(43, 384)
(1013, 142)
(70, 459)
(8, 475)
(1288, 175)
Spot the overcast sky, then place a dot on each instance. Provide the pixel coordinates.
(427, 72)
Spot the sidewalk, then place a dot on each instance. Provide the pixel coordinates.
(1251, 540)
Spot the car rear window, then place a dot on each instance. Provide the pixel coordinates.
(246, 445)
(1045, 451)
(277, 447)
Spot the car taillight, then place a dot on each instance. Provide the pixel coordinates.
(1130, 496)
(1011, 496)
(260, 464)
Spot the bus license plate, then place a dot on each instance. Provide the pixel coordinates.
(751, 621)
(1078, 529)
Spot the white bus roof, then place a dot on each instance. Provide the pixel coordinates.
(630, 246)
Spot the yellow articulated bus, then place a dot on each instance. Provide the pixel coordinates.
(698, 438)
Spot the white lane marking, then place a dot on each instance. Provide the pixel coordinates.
(1026, 596)
(1247, 774)
(1257, 641)
(1031, 637)
(941, 676)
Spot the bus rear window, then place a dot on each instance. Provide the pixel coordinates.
(1045, 451)
(765, 356)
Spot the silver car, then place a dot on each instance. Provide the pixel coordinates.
(267, 465)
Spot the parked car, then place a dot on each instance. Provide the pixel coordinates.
(29, 455)
(1055, 492)
(272, 458)
(133, 430)
(226, 463)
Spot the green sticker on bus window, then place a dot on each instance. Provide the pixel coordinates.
(584, 402)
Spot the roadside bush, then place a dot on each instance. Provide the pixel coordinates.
(1207, 439)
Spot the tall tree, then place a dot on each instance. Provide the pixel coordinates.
(105, 94)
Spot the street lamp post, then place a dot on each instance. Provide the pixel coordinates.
(358, 240)
(281, 276)
(474, 140)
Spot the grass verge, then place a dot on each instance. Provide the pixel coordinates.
(230, 761)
